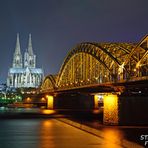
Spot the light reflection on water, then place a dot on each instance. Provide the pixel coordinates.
(18, 110)
(112, 137)
(26, 110)
(42, 133)
(46, 134)
(47, 111)
(26, 133)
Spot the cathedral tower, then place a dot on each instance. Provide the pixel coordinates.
(17, 57)
(29, 57)
(24, 75)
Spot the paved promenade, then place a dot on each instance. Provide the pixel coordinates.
(107, 138)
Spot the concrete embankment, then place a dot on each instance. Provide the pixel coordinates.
(122, 142)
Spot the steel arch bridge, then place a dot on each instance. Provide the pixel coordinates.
(100, 63)
(49, 83)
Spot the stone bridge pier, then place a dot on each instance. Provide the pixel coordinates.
(117, 110)
(125, 109)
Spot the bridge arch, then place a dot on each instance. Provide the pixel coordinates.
(90, 63)
(93, 63)
(140, 55)
(49, 83)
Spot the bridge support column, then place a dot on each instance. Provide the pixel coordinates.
(111, 109)
(50, 102)
(125, 109)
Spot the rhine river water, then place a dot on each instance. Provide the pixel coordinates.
(21, 128)
(29, 128)
(46, 133)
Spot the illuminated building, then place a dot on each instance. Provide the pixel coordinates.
(24, 75)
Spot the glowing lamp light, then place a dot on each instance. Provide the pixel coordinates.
(43, 99)
(47, 96)
(28, 99)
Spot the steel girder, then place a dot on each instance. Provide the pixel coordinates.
(102, 62)
(49, 83)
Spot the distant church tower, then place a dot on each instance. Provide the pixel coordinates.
(17, 57)
(24, 75)
(29, 57)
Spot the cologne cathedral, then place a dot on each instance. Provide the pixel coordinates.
(24, 74)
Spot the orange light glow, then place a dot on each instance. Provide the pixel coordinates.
(47, 111)
(138, 65)
(46, 96)
(45, 134)
(43, 99)
(112, 137)
(47, 123)
(28, 99)
(96, 102)
(111, 109)
(50, 100)
(96, 111)
(110, 100)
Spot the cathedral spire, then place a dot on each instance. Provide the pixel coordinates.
(29, 57)
(24, 74)
(30, 50)
(17, 47)
(17, 57)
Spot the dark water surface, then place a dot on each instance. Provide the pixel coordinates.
(20, 133)
(23, 128)
(33, 128)
(47, 133)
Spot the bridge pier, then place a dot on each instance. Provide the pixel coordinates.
(50, 101)
(111, 109)
(119, 109)
(125, 109)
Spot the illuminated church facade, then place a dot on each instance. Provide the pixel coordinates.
(23, 73)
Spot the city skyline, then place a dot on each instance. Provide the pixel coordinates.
(57, 27)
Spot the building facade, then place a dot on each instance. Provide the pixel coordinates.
(23, 73)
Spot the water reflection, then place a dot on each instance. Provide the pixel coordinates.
(26, 110)
(46, 134)
(47, 111)
(18, 110)
(113, 137)
(27, 133)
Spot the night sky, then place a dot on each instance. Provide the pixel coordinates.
(58, 25)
